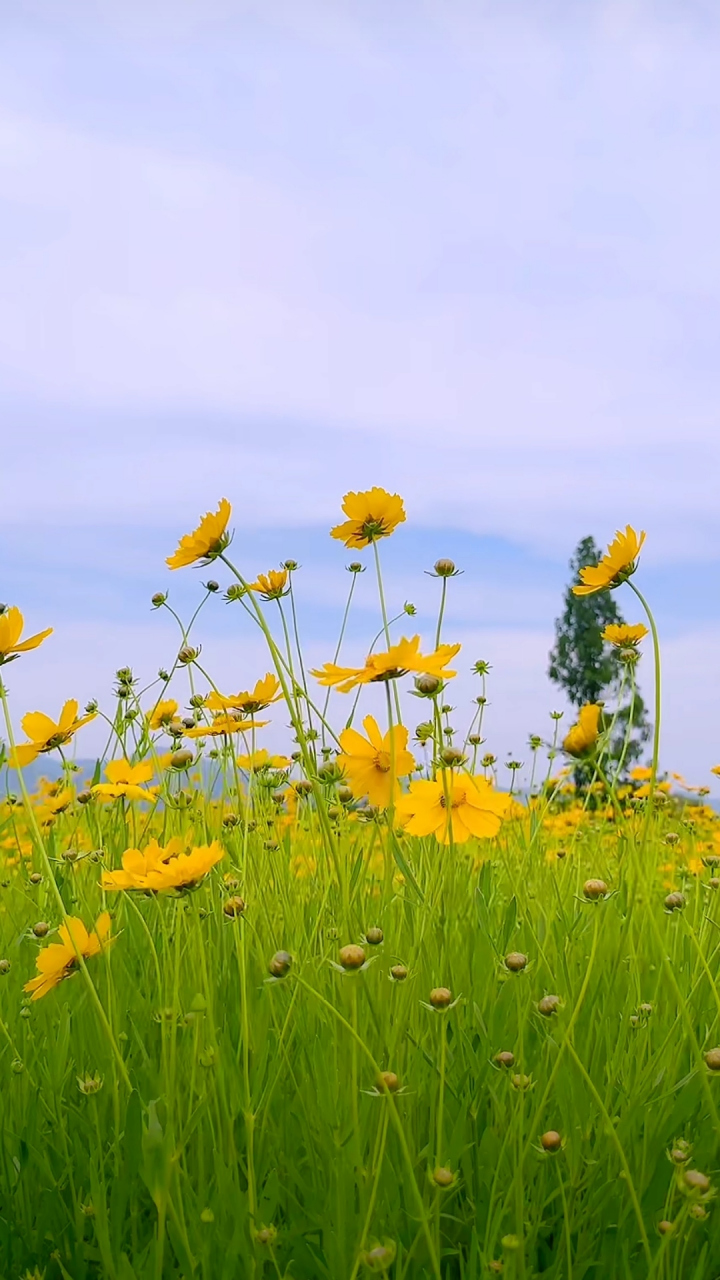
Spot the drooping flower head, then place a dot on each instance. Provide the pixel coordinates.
(124, 781)
(453, 806)
(59, 960)
(206, 542)
(582, 736)
(11, 628)
(625, 636)
(374, 764)
(372, 514)
(397, 661)
(224, 724)
(256, 761)
(47, 735)
(163, 714)
(271, 585)
(158, 868)
(616, 566)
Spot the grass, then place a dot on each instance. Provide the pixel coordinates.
(176, 1110)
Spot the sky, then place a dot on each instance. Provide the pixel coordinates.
(276, 251)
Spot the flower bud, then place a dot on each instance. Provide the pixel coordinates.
(665, 1227)
(697, 1211)
(352, 957)
(398, 973)
(696, 1181)
(548, 1005)
(387, 1080)
(35, 878)
(344, 795)
(675, 902)
(182, 759)
(41, 929)
(266, 1235)
(188, 654)
(515, 961)
(233, 907)
(212, 586)
(561, 853)
(355, 567)
(445, 568)
(4, 966)
(443, 1177)
(520, 1082)
(712, 1060)
(374, 937)
(451, 756)
(551, 1141)
(680, 1152)
(427, 685)
(505, 1058)
(158, 599)
(280, 964)
(440, 997)
(595, 889)
(89, 1084)
(381, 1257)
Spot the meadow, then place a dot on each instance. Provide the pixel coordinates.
(364, 1007)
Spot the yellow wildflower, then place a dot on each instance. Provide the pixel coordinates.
(163, 714)
(397, 661)
(271, 585)
(452, 807)
(262, 759)
(11, 627)
(625, 636)
(372, 514)
(60, 960)
(248, 702)
(618, 563)
(157, 869)
(45, 734)
(124, 780)
(206, 542)
(583, 735)
(225, 724)
(374, 764)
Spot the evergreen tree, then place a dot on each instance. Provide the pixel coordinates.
(584, 666)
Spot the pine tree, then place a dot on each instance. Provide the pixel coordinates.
(584, 666)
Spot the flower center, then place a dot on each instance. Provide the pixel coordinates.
(383, 762)
(372, 529)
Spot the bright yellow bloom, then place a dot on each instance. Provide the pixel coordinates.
(162, 715)
(45, 734)
(474, 808)
(583, 735)
(157, 869)
(262, 760)
(54, 803)
(625, 636)
(224, 724)
(271, 585)
(374, 764)
(206, 542)
(398, 661)
(124, 780)
(248, 702)
(373, 514)
(616, 565)
(716, 770)
(641, 773)
(11, 627)
(60, 959)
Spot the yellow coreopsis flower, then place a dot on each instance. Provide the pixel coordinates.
(262, 759)
(224, 724)
(163, 714)
(583, 735)
(11, 628)
(271, 585)
(157, 869)
(206, 542)
(397, 661)
(248, 702)
(625, 636)
(124, 780)
(618, 563)
(60, 959)
(372, 514)
(374, 764)
(45, 734)
(454, 806)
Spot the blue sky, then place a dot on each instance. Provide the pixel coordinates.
(276, 251)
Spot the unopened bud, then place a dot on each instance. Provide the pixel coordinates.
(505, 1058)
(440, 997)
(427, 685)
(444, 568)
(551, 1141)
(443, 1178)
(548, 1005)
(234, 906)
(515, 961)
(398, 973)
(675, 902)
(594, 889)
(374, 937)
(352, 957)
(280, 964)
(41, 929)
(387, 1080)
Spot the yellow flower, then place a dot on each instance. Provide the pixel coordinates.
(716, 770)
(248, 702)
(373, 514)
(45, 734)
(162, 715)
(60, 959)
(54, 803)
(271, 585)
(398, 661)
(624, 636)
(206, 542)
(616, 565)
(224, 724)
(156, 868)
(124, 780)
(262, 760)
(583, 735)
(641, 773)
(11, 626)
(374, 764)
(474, 808)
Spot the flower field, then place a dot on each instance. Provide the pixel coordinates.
(366, 1006)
